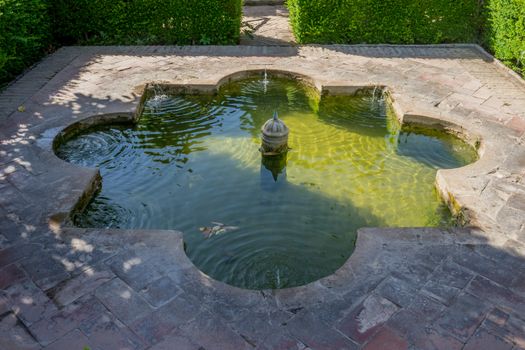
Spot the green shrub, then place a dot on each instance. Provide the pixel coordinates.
(24, 35)
(147, 21)
(504, 31)
(385, 21)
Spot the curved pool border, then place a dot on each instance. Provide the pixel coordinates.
(462, 213)
(98, 81)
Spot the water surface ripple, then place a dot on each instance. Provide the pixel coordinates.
(192, 163)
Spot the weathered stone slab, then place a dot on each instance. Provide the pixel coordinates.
(45, 271)
(464, 316)
(73, 340)
(161, 291)
(85, 283)
(69, 318)
(10, 274)
(154, 327)
(107, 332)
(484, 340)
(29, 303)
(315, 334)
(386, 339)
(122, 301)
(14, 336)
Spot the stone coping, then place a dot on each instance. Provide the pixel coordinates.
(455, 87)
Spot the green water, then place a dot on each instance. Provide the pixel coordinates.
(194, 160)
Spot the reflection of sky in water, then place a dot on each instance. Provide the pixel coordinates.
(194, 160)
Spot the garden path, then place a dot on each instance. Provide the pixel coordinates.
(266, 25)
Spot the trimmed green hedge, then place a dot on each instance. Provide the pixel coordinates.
(28, 28)
(504, 32)
(385, 21)
(25, 34)
(147, 21)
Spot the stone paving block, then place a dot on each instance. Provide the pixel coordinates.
(510, 219)
(426, 306)
(413, 272)
(29, 303)
(212, 332)
(507, 326)
(464, 316)
(106, 332)
(386, 339)
(508, 254)
(440, 292)
(74, 340)
(134, 269)
(122, 301)
(69, 318)
(500, 296)
(518, 124)
(175, 341)
(4, 242)
(430, 339)
(316, 334)
(13, 336)
(484, 340)
(415, 327)
(452, 275)
(282, 341)
(9, 275)
(483, 266)
(260, 328)
(45, 271)
(72, 289)
(161, 291)
(397, 291)
(154, 327)
(367, 318)
(5, 306)
(77, 253)
(16, 253)
(14, 229)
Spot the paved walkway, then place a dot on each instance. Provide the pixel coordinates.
(266, 25)
(66, 288)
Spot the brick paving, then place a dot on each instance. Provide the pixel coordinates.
(63, 287)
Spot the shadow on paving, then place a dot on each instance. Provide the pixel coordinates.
(445, 51)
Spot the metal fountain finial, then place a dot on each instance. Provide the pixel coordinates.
(274, 136)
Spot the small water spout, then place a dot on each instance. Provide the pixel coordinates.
(278, 278)
(265, 81)
(159, 96)
(374, 95)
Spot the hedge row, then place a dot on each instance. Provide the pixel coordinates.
(29, 27)
(385, 21)
(25, 34)
(497, 24)
(504, 31)
(147, 21)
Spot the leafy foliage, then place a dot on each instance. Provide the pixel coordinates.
(24, 35)
(385, 21)
(504, 31)
(147, 21)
